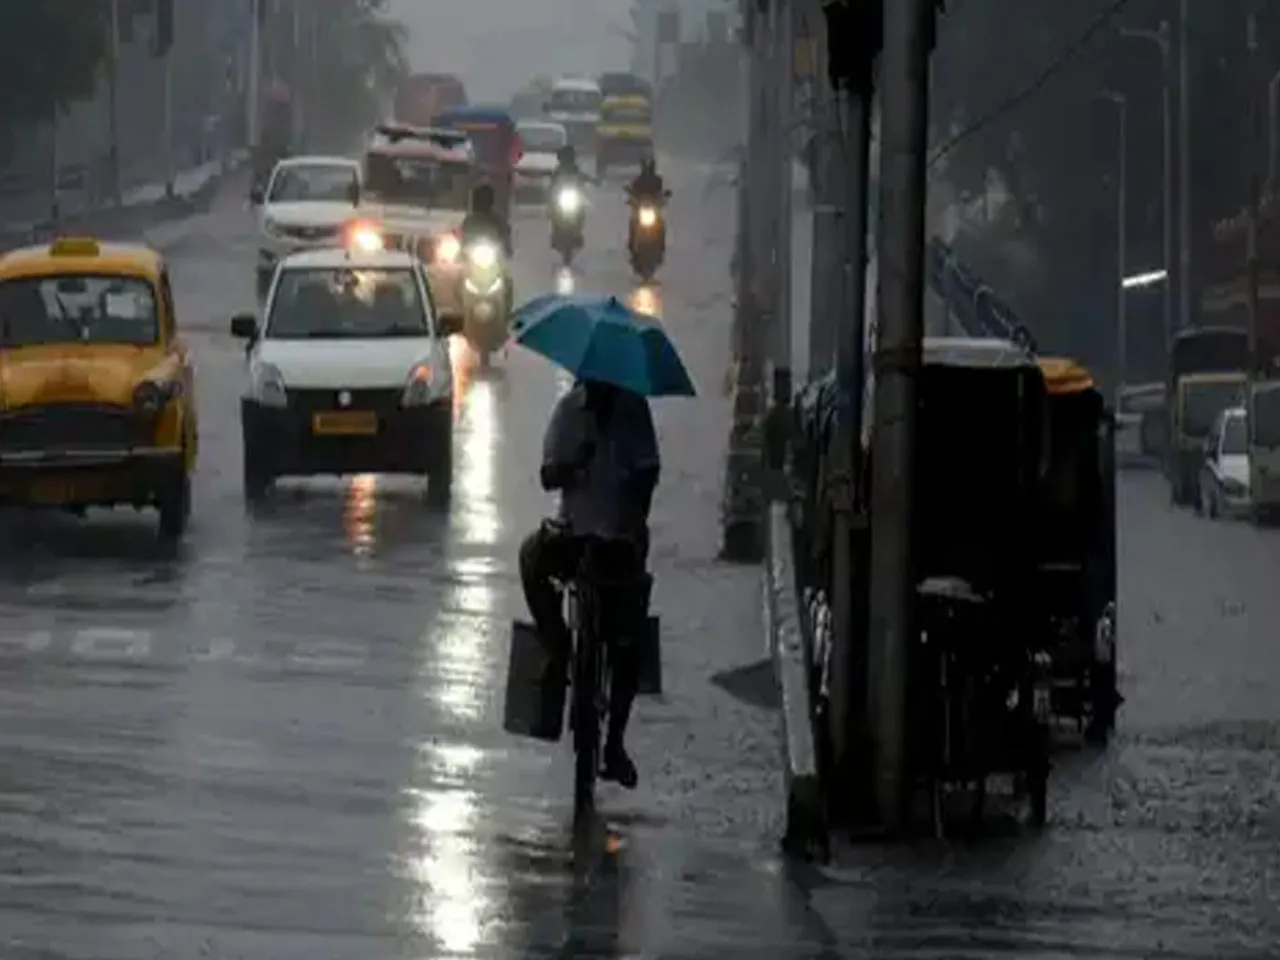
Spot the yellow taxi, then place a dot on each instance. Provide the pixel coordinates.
(97, 399)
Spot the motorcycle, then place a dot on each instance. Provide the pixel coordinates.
(647, 239)
(486, 298)
(568, 212)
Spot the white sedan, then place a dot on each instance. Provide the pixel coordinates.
(347, 371)
(542, 142)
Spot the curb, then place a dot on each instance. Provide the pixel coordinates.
(806, 826)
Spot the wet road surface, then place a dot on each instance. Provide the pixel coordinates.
(284, 739)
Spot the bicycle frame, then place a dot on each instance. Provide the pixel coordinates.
(590, 687)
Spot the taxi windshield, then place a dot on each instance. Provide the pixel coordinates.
(575, 101)
(328, 304)
(78, 308)
(423, 182)
(324, 183)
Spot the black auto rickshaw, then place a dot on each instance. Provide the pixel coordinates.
(1077, 562)
(979, 687)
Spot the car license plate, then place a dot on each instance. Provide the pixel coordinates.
(52, 491)
(1000, 785)
(347, 423)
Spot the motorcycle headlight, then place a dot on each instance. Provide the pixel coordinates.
(417, 390)
(568, 201)
(648, 217)
(447, 249)
(484, 255)
(268, 386)
(150, 397)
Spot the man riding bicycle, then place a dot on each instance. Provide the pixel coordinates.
(601, 452)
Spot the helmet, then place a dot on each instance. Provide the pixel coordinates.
(483, 198)
(648, 166)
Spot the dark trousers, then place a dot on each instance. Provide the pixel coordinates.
(552, 554)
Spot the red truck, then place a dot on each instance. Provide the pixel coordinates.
(422, 97)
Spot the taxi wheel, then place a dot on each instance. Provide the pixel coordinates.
(175, 507)
(440, 474)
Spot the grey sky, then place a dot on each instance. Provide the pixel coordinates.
(495, 46)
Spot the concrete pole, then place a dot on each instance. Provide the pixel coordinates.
(1273, 134)
(784, 33)
(904, 128)
(253, 93)
(1254, 152)
(827, 171)
(1184, 165)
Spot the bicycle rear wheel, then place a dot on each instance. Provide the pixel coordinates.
(586, 715)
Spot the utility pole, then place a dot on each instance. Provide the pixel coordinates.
(253, 94)
(113, 105)
(1184, 164)
(1254, 152)
(1161, 38)
(851, 75)
(783, 16)
(1122, 236)
(908, 33)
(826, 179)
(743, 509)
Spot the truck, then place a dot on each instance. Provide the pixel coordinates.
(1208, 372)
(574, 102)
(421, 97)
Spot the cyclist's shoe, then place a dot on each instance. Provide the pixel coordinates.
(619, 767)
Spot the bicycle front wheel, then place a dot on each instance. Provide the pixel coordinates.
(586, 721)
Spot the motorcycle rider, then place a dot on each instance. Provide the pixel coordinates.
(601, 452)
(483, 220)
(647, 185)
(567, 171)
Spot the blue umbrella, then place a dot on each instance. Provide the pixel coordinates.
(600, 338)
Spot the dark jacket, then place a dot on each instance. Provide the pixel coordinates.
(484, 223)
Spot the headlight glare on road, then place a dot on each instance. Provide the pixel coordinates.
(447, 249)
(648, 217)
(417, 391)
(268, 386)
(568, 201)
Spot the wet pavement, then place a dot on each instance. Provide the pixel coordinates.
(283, 740)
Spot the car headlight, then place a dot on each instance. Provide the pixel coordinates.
(418, 390)
(648, 217)
(150, 396)
(448, 249)
(568, 201)
(483, 255)
(268, 386)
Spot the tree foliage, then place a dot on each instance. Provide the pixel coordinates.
(50, 54)
(361, 52)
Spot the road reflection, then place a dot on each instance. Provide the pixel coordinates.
(359, 512)
(566, 283)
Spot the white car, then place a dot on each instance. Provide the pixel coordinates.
(542, 141)
(305, 205)
(1224, 475)
(347, 371)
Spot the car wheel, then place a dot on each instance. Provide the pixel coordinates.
(257, 479)
(175, 506)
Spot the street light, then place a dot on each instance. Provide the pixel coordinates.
(1122, 233)
(1160, 38)
(1149, 278)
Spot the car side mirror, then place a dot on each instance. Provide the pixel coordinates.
(449, 324)
(244, 326)
(256, 196)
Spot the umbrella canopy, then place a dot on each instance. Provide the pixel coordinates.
(601, 338)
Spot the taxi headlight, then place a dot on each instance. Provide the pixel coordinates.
(568, 201)
(448, 248)
(648, 217)
(268, 386)
(417, 391)
(150, 397)
(483, 255)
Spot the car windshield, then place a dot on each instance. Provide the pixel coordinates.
(1235, 437)
(78, 308)
(575, 101)
(1266, 418)
(326, 304)
(298, 183)
(424, 182)
(542, 139)
(1202, 402)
